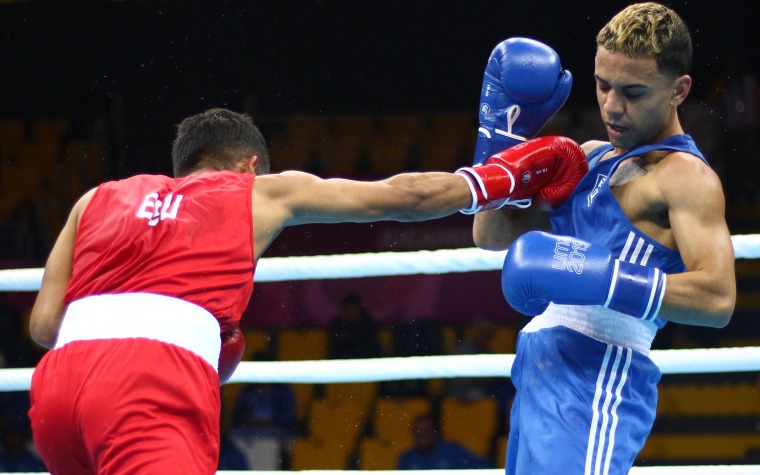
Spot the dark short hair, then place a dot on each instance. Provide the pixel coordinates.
(217, 139)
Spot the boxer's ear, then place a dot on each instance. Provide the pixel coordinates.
(248, 165)
(682, 86)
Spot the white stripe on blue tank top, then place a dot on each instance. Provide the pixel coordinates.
(636, 251)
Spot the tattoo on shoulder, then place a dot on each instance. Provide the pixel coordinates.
(627, 171)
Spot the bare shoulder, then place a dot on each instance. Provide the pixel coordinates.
(281, 182)
(283, 186)
(684, 177)
(81, 204)
(683, 166)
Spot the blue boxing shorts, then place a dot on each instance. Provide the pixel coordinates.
(582, 407)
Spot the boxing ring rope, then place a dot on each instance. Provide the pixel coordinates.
(680, 470)
(421, 367)
(377, 264)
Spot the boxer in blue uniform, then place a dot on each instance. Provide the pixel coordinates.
(642, 240)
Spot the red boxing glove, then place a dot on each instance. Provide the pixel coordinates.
(546, 168)
(565, 176)
(233, 347)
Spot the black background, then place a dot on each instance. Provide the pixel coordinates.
(167, 60)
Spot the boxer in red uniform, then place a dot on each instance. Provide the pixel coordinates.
(143, 290)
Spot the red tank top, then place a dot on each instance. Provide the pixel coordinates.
(189, 238)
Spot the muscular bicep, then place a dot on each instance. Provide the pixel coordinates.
(48, 310)
(292, 198)
(706, 293)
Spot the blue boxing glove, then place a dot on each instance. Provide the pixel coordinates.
(523, 87)
(541, 268)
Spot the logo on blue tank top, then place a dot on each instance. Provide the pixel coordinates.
(600, 179)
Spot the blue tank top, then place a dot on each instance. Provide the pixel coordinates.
(593, 214)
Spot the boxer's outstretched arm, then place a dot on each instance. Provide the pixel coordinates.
(306, 198)
(48, 310)
(293, 198)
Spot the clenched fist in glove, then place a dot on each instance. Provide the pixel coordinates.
(524, 85)
(545, 169)
(541, 268)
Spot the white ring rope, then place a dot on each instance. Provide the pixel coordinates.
(376, 264)
(677, 470)
(691, 361)
(680, 470)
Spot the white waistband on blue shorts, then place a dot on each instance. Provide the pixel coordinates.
(599, 323)
(141, 315)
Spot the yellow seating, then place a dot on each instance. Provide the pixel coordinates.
(393, 418)
(351, 138)
(296, 344)
(290, 153)
(230, 394)
(708, 400)
(449, 337)
(455, 123)
(49, 129)
(388, 158)
(471, 423)
(12, 130)
(440, 154)
(337, 423)
(304, 394)
(353, 125)
(256, 340)
(504, 340)
(720, 446)
(407, 124)
(385, 336)
(311, 454)
(449, 141)
(378, 454)
(501, 451)
(303, 138)
(361, 393)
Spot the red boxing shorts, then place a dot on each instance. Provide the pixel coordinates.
(125, 406)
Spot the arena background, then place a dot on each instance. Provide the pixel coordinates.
(121, 74)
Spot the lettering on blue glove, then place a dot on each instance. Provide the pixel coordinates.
(568, 255)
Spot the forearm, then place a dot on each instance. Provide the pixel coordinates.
(423, 196)
(49, 307)
(698, 298)
(48, 310)
(496, 230)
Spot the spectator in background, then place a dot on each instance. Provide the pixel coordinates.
(230, 455)
(264, 422)
(352, 333)
(16, 454)
(430, 452)
(736, 94)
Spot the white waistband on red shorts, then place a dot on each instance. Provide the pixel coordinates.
(141, 315)
(599, 323)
